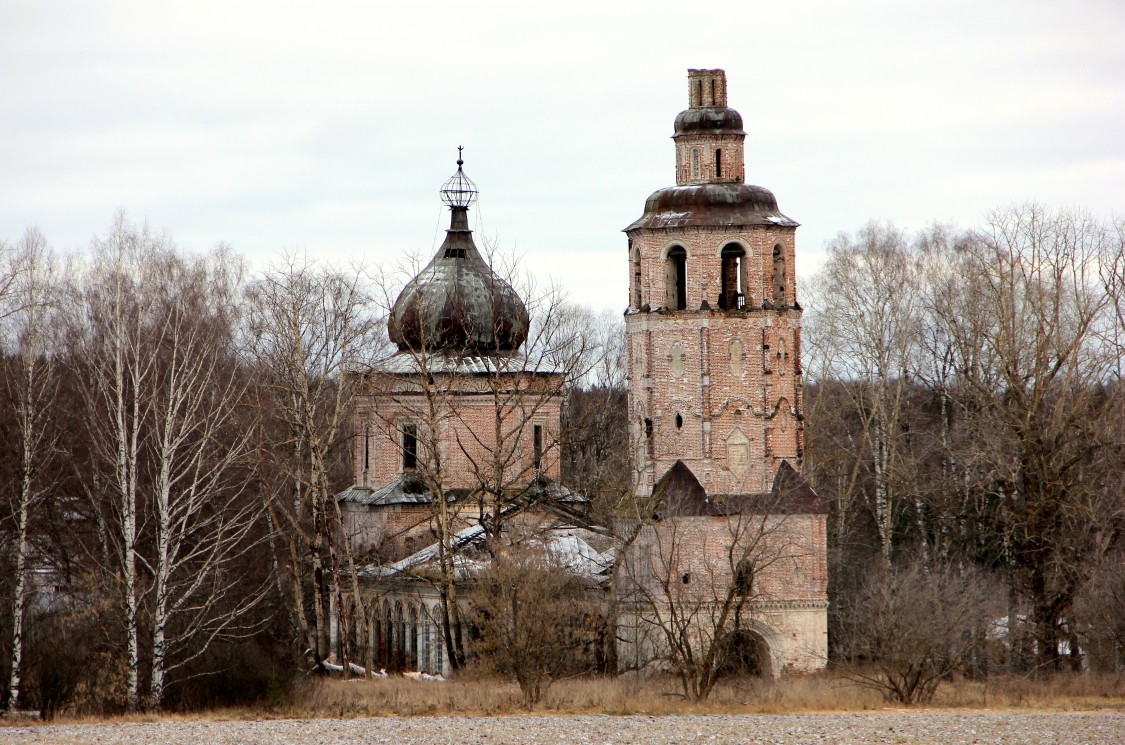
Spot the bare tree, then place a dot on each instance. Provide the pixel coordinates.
(119, 369)
(205, 520)
(1041, 440)
(865, 330)
(309, 326)
(538, 618)
(31, 388)
(163, 394)
(909, 628)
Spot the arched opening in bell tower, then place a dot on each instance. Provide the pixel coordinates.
(778, 275)
(675, 278)
(733, 294)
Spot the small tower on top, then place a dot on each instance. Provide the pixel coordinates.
(709, 135)
(707, 88)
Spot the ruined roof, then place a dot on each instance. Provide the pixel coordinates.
(568, 546)
(406, 490)
(711, 205)
(409, 489)
(440, 363)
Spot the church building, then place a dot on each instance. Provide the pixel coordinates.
(463, 422)
(714, 353)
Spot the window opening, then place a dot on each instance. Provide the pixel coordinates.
(675, 270)
(686, 577)
(744, 578)
(409, 446)
(778, 275)
(648, 435)
(679, 421)
(366, 446)
(733, 294)
(636, 277)
(537, 447)
(454, 253)
(718, 162)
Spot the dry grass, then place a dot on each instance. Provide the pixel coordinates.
(627, 694)
(659, 695)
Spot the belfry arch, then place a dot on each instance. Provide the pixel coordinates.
(734, 271)
(675, 278)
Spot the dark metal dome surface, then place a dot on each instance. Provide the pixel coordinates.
(709, 120)
(721, 204)
(457, 303)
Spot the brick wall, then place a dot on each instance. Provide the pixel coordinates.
(462, 423)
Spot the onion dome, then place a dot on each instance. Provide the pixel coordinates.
(457, 304)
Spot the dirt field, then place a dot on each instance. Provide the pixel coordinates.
(915, 728)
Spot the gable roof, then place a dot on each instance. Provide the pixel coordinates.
(679, 493)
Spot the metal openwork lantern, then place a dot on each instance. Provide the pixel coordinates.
(459, 191)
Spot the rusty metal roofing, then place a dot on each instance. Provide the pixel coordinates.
(404, 491)
(711, 205)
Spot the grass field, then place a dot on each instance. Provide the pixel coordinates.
(395, 696)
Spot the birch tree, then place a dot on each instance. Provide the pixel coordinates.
(308, 327)
(865, 331)
(118, 366)
(31, 387)
(164, 411)
(205, 521)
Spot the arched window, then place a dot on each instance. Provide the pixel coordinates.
(439, 643)
(412, 639)
(718, 162)
(424, 664)
(400, 638)
(695, 162)
(675, 279)
(733, 294)
(744, 578)
(778, 275)
(389, 635)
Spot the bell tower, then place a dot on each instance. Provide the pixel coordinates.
(713, 324)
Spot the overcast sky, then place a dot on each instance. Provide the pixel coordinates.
(330, 126)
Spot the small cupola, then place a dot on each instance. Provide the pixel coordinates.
(708, 134)
(458, 304)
